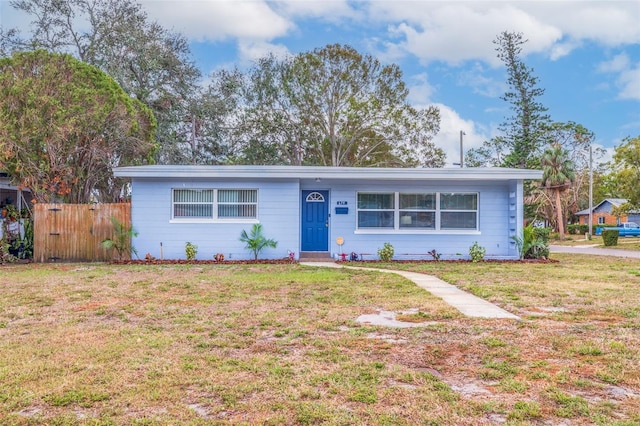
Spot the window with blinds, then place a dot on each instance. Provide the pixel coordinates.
(237, 203)
(428, 211)
(215, 203)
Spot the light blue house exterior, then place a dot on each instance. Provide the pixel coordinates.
(310, 210)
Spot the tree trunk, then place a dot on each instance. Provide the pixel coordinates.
(559, 214)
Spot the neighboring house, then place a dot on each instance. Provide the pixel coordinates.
(601, 214)
(307, 210)
(11, 194)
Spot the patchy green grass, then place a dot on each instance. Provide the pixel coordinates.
(278, 344)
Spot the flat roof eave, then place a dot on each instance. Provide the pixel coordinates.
(319, 172)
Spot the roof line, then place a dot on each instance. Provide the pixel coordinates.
(322, 172)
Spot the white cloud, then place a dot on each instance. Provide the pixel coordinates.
(455, 31)
(448, 138)
(249, 51)
(329, 11)
(628, 79)
(616, 64)
(610, 23)
(420, 90)
(563, 49)
(629, 83)
(218, 20)
(476, 78)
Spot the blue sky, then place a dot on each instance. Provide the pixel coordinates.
(586, 54)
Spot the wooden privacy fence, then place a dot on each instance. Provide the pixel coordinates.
(74, 232)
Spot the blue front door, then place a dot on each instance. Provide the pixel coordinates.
(315, 221)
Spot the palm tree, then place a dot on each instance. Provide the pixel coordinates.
(256, 241)
(557, 176)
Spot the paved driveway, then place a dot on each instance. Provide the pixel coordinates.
(595, 251)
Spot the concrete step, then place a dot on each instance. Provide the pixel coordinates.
(315, 256)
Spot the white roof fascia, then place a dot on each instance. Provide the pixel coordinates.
(314, 172)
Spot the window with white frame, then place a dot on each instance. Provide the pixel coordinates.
(237, 203)
(601, 220)
(376, 210)
(430, 211)
(417, 210)
(215, 204)
(458, 211)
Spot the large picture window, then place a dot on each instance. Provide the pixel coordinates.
(458, 211)
(429, 211)
(215, 204)
(417, 211)
(376, 210)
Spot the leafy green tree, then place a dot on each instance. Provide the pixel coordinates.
(605, 184)
(149, 62)
(577, 141)
(524, 134)
(256, 241)
(557, 175)
(334, 107)
(626, 166)
(64, 125)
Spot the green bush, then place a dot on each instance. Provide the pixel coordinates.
(543, 234)
(5, 256)
(578, 229)
(477, 252)
(610, 237)
(190, 250)
(386, 252)
(533, 243)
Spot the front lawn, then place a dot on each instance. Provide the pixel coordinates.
(279, 344)
(624, 243)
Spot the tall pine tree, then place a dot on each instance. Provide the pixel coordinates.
(525, 134)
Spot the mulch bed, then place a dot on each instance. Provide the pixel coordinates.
(288, 261)
(201, 262)
(285, 261)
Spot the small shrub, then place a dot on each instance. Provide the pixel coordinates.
(433, 253)
(121, 241)
(190, 250)
(218, 257)
(386, 252)
(256, 241)
(578, 229)
(533, 243)
(477, 252)
(5, 256)
(610, 237)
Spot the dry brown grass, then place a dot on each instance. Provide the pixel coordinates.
(278, 344)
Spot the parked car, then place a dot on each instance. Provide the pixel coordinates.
(626, 229)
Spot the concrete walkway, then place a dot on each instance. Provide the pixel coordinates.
(468, 304)
(595, 251)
